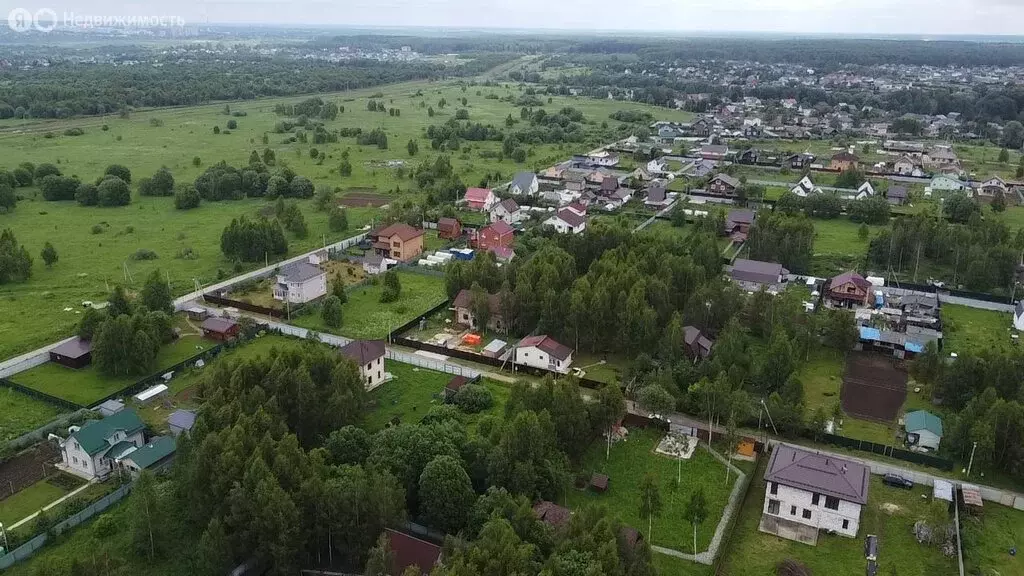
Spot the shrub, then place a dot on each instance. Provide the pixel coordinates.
(97, 229)
(186, 197)
(114, 191)
(232, 124)
(74, 132)
(144, 254)
(473, 398)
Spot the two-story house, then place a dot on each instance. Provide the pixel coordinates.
(848, 290)
(369, 356)
(92, 450)
(300, 282)
(844, 161)
(544, 352)
(567, 221)
(449, 228)
(497, 235)
(723, 185)
(806, 492)
(524, 184)
(507, 211)
(464, 314)
(480, 199)
(399, 242)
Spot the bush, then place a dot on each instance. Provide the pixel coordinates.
(120, 171)
(97, 229)
(74, 132)
(186, 197)
(57, 188)
(473, 398)
(392, 287)
(232, 124)
(331, 311)
(144, 254)
(114, 191)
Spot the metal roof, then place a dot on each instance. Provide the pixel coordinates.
(821, 473)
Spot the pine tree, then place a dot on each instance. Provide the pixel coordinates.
(49, 255)
(156, 294)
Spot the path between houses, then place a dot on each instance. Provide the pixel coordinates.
(50, 505)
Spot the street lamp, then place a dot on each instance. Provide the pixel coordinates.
(971, 461)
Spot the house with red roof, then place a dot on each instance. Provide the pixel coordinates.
(567, 221)
(480, 199)
(544, 352)
(398, 242)
(848, 290)
(409, 551)
(496, 235)
(449, 228)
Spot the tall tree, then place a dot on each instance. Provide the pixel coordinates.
(49, 254)
(446, 494)
(650, 502)
(696, 512)
(156, 294)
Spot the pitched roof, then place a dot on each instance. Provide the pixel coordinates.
(739, 216)
(714, 149)
(464, 299)
(93, 435)
(656, 193)
(523, 180)
(851, 276)
(500, 228)
(363, 351)
(923, 420)
(74, 348)
(299, 272)
(411, 551)
(845, 157)
(821, 473)
(509, 205)
(571, 218)
(896, 192)
(735, 183)
(400, 229)
(609, 184)
(477, 194)
(756, 271)
(546, 344)
(446, 224)
(183, 419)
(551, 513)
(157, 449)
(218, 325)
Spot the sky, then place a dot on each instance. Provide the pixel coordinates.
(918, 17)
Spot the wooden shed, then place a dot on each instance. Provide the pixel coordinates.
(75, 353)
(220, 328)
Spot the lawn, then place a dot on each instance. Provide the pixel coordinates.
(28, 501)
(672, 566)
(966, 329)
(414, 391)
(753, 553)
(365, 316)
(20, 413)
(822, 378)
(607, 368)
(988, 538)
(88, 263)
(86, 385)
(629, 462)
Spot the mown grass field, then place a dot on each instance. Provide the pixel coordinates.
(90, 264)
(753, 553)
(629, 462)
(28, 501)
(20, 413)
(966, 329)
(85, 386)
(365, 316)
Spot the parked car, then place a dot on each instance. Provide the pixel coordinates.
(897, 481)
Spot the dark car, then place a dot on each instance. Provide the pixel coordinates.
(897, 481)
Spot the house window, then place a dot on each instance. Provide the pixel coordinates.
(773, 506)
(369, 366)
(815, 499)
(846, 524)
(831, 502)
(792, 510)
(807, 514)
(775, 488)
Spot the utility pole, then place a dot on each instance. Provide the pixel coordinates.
(971, 461)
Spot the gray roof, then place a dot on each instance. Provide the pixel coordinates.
(656, 193)
(571, 218)
(523, 180)
(756, 271)
(373, 259)
(739, 216)
(300, 272)
(734, 182)
(74, 348)
(821, 473)
(183, 419)
(896, 192)
(363, 351)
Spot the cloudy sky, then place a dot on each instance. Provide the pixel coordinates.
(793, 16)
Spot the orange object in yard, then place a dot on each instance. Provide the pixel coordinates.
(471, 339)
(745, 447)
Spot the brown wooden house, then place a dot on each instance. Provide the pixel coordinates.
(848, 290)
(449, 228)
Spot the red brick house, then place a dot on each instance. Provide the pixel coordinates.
(449, 228)
(498, 234)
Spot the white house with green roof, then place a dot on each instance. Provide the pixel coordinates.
(92, 450)
(924, 430)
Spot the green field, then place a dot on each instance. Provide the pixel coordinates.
(89, 264)
(838, 246)
(28, 501)
(365, 316)
(607, 368)
(988, 538)
(629, 462)
(822, 378)
(966, 329)
(753, 553)
(20, 413)
(86, 385)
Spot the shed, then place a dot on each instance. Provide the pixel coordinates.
(453, 387)
(495, 348)
(75, 353)
(181, 421)
(110, 407)
(154, 455)
(220, 328)
(150, 394)
(598, 482)
(924, 429)
(409, 551)
(197, 313)
(942, 489)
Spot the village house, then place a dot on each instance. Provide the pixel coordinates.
(567, 221)
(844, 161)
(398, 241)
(738, 223)
(217, 328)
(369, 356)
(524, 184)
(989, 189)
(480, 199)
(543, 352)
(754, 275)
(897, 195)
(848, 290)
(748, 156)
(700, 127)
(574, 181)
(507, 211)
(155, 455)
(723, 185)
(865, 190)
(657, 196)
(464, 315)
(407, 551)
(806, 492)
(300, 282)
(800, 161)
(498, 234)
(374, 264)
(805, 188)
(698, 345)
(91, 451)
(713, 151)
(923, 431)
(449, 228)
(940, 157)
(904, 166)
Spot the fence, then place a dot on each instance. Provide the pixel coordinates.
(58, 402)
(730, 528)
(222, 301)
(890, 451)
(28, 548)
(59, 423)
(146, 382)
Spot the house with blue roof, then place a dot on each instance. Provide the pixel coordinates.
(924, 430)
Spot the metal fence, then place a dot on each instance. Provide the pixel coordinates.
(220, 300)
(148, 381)
(28, 548)
(890, 451)
(431, 364)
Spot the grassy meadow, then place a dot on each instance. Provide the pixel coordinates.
(34, 312)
